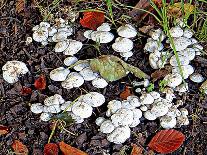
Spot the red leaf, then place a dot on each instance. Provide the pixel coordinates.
(167, 141)
(40, 83)
(51, 149)
(19, 148)
(26, 91)
(92, 19)
(3, 130)
(69, 150)
(125, 93)
(136, 150)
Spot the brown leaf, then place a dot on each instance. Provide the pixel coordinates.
(69, 150)
(125, 93)
(167, 141)
(40, 83)
(26, 91)
(19, 148)
(3, 130)
(159, 74)
(20, 5)
(51, 149)
(136, 150)
(146, 29)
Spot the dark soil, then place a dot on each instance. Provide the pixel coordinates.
(25, 126)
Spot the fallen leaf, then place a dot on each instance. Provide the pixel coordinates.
(123, 95)
(136, 150)
(20, 5)
(167, 141)
(92, 19)
(20, 148)
(69, 150)
(26, 90)
(40, 83)
(51, 149)
(146, 29)
(3, 130)
(159, 74)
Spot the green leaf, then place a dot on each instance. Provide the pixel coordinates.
(65, 116)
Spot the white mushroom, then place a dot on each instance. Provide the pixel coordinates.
(188, 52)
(173, 80)
(107, 126)
(176, 32)
(81, 66)
(122, 45)
(37, 108)
(198, 47)
(100, 120)
(153, 45)
(187, 33)
(55, 108)
(44, 24)
(73, 47)
(194, 41)
(28, 40)
(169, 94)
(73, 79)
(149, 115)
(40, 35)
(145, 83)
(102, 36)
(67, 29)
(196, 77)
(143, 108)
(99, 82)
(113, 106)
(137, 114)
(184, 60)
(157, 35)
(155, 94)
(88, 74)
(76, 118)
(146, 98)
(54, 100)
(59, 36)
(70, 61)
(45, 116)
(127, 31)
(167, 122)
(182, 88)
(119, 135)
(182, 120)
(159, 109)
(122, 117)
(68, 105)
(187, 70)
(184, 111)
(134, 101)
(94, 99)
(87, 34)
(59, 74)
(13, 69)
(51, 31)
(104, 27)
(61, 46)
(82, 109)
(126, 54)
(181, 43)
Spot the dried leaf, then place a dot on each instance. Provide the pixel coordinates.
(112, 68)
(136, 150)
(20, 5)
(26, 90)
(40, 83)
(146, 29)
(159, 74)
(3, 130)
(69, 150)
(51, 149)
(92, 19)
(125, 93)
(167, 141)
(175, 10)
(19, 148)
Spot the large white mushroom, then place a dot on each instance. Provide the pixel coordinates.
(54, 100)
(181, 43)
(102, 36)
(59, 74)
(168, 122)
(113, 106)
(104, 27)
(82, 109)
(122, 45)
(99, 82)
(146, 98)
(127, 31)
(61, 46)
(70, 60)
(173, 80)
(94, 99)
(73, 79)
(37, 108)
(73, 47)
(176, 31)
(107, 126)
(88, 74)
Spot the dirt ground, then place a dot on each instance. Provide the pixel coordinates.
(25, 126)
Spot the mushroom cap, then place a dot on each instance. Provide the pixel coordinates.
(59, 36)
(13, 69)
(186, 69)
(182, 120)
(155, 95)
(88, 74)
(37, 108)
(59, 22)
(126, 54)
(99, 82)
(173, 80)
(134, 100)
(137, 114)
(100, 120)
(176, 31)
(51, 31)
(35, 28)
(157, 34)
(54, 109)
(40, 35)
(173, 111)
(198, 47)
(76, 118)
(188, 52)
(149, 115)
(122, 117)
(59, 74)
(70, 60)
(196, 77)
(87, 34)
(61, 46)
(184, 111)
(113, 106)
(82, 109)
(107, 126)
(44, 24)
(54, 100)
(80, 67)
(67, 29)
(184, 60)
(167, 122)
(73, 79)
(159, 109)
(45, 116)
(127, 31)
(181, 43)
(153, 45)
(187, 33)
(94, 99)
(65, 105)
(126, 105)
(146, 98)
(102, 36)
(119, 135)
(73, 47)
(122, 45)
(154, 57)
(143, 108)
(182, 88)
(104, 27)
(193, 41)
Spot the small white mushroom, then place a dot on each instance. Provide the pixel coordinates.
(187, 70)
(194, 41)
(28, 40)
(146, 98)
(99, 82)
(157, 34)
(122, 45)
(143, 108)
(88, 74)
(126, 54)
(113, 106)
(104, 27)
(59, 36)
(153, 45)
(61, 46)
(94, 99)
(137, 114)
(176, 32)
(45, 116)
(134, 101)
(87, 34)
(54, 100)
(169, 94)
(119, 135)
(73, 79)
(184, 60)
(188, 52)
(107, 126)
(167, 122)
(76, 118)
(73, 47)
(70, 61)
(67, 29)
(182, 88)
(59, 74)
(181, 43)
(145, 83)
(155, 94)
(184, 111)
(59, 22)
(187, 33)
(196, 77)
(149, 115)
(44, 24)
(40, 35)
(159, 109)
(51, 31)
(82, 109)
(67, 105)
(127, 31)
(37, 108)
(154, 57)
(13, 69)
(81, 66)
(122, 117)
(102, 36)
(54, 109)
(198, 47)
(100, 120)
(173, 80)
(182, 120)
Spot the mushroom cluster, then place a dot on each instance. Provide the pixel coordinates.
(187, 48)
(12, 70)
(59, 34)
(82, 72)
(78, 110)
